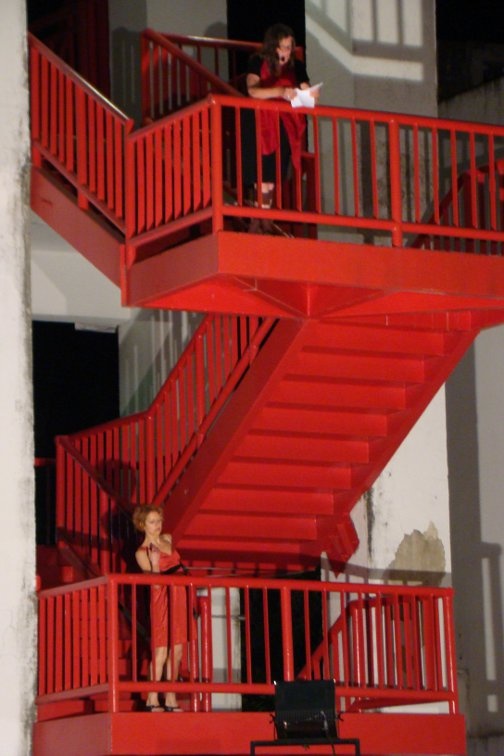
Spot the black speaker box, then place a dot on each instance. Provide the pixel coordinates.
(305, 709)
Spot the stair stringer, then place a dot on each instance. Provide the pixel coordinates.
(275, 519)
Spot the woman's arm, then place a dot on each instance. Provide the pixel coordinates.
(254, 89)
(143, 560)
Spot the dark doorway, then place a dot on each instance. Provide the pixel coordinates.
(75, 386)
(248, 21)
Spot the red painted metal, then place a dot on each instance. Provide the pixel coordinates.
(179, 174)
(170, 61)
(112, 654)
(77, 131)
(374, 331)
(107, 469)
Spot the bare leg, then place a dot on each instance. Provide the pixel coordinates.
(170, 698)
(160, 656)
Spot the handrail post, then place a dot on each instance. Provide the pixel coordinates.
(113, 643)
(60, 485)
(103, 533)
(150, 457)
(129, 194)
(395, 182)
(200, 384)
(204, 605)
(287, 636)
(216, 164)
(451, 656)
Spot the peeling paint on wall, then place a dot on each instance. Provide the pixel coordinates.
(421, 555)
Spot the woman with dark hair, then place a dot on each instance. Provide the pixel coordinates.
(273, 73)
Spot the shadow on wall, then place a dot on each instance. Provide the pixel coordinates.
(126, 68)
(476, 565)
(126, 73)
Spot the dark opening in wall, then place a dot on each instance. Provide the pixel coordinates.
(75, 386)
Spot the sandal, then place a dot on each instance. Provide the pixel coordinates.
(154, 708)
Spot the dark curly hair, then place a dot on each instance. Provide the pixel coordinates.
(274, 34)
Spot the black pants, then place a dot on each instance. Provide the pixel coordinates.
(249, 152)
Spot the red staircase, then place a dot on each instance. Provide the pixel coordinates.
(274, 424)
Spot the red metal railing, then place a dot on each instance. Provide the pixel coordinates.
(379, 177)
(173, 78)
(469, 199)
(222, 57)
(393, 644)
(387, 641)
(104, 471)
(79, 133)
(179, 70)
(171, 174)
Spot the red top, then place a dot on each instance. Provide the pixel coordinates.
(293, 123)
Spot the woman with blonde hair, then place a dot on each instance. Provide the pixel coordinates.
(156, 555)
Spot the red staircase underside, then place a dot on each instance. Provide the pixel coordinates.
(279, 276)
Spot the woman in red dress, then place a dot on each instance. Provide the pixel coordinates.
(157, 555)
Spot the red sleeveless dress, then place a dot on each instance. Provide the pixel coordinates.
(162, 600)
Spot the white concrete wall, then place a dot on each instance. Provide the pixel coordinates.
(475, 443)
(193, 17)
(374, 55)
(404, 519)
(17, 549)
(484, 104)
(66, 287)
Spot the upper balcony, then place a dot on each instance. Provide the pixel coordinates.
(386, 213)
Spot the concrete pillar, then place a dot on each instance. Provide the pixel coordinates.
(17, 550)
(381, 56)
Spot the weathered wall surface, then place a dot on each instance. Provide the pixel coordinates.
(17, 548)
(475, 410)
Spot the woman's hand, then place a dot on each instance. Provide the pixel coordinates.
(289, 93)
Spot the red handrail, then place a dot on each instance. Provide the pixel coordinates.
(170, 169)
(220, 60)
(385, 642)
(79, 132)
(172, 79)
(386, 177)
(395, 644)
(102, 472)
(470, 193)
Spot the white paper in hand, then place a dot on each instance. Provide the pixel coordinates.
(304, 97)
